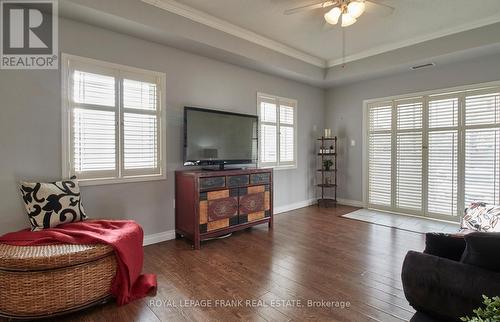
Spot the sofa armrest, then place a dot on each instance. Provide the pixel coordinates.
(445, 288)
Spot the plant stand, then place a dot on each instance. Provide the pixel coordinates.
(327, 171)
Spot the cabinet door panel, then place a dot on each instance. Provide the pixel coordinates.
(254, 203)
(222, 208)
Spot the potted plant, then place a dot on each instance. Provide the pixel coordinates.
(490, 313)
(327, 164)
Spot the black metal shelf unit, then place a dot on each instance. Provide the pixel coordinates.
(327, 171)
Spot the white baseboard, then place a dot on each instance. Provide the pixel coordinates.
(293, 206)
(353, 203)
(158, 237)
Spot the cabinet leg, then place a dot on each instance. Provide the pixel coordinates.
(178, 235)
(196, 243)
(270, 223)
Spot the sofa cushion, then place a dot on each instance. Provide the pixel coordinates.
(480, 216)
(482, 250)
(449, 246)
(51, 204)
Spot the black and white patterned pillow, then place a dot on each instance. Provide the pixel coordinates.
(51, 204)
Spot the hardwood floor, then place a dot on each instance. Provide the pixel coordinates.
(312, 254)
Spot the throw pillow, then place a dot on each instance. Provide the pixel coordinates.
(480, 216)
(482, 250)
(449, 246)
(51, 204)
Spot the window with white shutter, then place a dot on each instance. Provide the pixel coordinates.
(113, 122)
(278, 131)
(434, 154)
(482, 146)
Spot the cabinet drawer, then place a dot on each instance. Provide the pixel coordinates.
(212, 183)
(237, 181)
(258, 178)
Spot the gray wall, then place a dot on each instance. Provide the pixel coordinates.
(344, 112)
(30, 125)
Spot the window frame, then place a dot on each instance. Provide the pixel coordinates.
(278, 165)
(120, 72)
(460, 93)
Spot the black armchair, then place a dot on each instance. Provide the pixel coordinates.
(447, 289)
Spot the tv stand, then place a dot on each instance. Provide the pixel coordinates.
(215, 203)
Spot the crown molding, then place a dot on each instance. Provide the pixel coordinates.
(413, 41)
(229, 28)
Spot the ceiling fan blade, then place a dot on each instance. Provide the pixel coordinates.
(312, 6)
(379, 3)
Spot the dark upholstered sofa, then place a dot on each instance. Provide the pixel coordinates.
(448, 279)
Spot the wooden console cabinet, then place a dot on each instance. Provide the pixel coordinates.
(214, 203)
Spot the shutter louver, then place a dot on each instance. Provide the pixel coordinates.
(482, 146)
(442, 173)
(380, 155)
(482, 156)
(268, 112)
(286, 144)
(94, 140)
(140, 143)
(409, 171)
(409, 155)
(268, 143)
(379, 151)
(139, 95)
(93, 89)
(140, 128)
(443, 156)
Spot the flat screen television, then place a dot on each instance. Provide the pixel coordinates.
(217, 138)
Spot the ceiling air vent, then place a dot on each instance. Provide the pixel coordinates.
(423, 66)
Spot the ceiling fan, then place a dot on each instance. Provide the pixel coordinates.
(347, 11)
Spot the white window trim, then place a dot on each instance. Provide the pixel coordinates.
(67, 168)
(277, 165)
(461, 149)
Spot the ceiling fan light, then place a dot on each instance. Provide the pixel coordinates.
(356, 8)
(347, 20)
(332, 16)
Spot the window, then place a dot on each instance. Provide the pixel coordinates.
(434, 154)
(113, 122)
(277, 131)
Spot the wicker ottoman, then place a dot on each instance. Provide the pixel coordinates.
(41, 281)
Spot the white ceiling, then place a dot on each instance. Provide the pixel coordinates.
(376, 31)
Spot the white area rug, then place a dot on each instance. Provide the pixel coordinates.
(415, 224)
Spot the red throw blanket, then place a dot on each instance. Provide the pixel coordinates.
(124, 236)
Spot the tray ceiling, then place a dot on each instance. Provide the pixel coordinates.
(377, 31)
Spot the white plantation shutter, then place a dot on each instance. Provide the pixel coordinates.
(94, 119)
(443, 155)
(287, 132)
(94, 134)
(482, 146)
(114, 121)
(140, 127)
(435, 154)
(409, 154)
(380, 154)
(277, 123)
